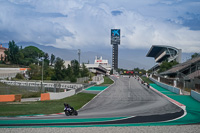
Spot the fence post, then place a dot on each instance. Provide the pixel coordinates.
(55, 87)
(158, 79)
(175, 83)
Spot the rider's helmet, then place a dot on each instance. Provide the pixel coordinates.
(65, 104)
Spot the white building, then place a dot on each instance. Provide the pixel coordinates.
(103, 63)
(67, 63)
(100, 66)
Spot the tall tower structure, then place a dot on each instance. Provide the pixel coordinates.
(115, 41)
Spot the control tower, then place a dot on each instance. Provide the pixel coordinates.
(115, 41)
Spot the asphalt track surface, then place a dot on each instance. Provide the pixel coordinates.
(126, 99)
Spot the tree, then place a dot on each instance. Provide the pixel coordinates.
(166, 66)
(20, 57)
(195, 55)
(75, 68)
(48, 73)
(52, 59)
(31, 55)
(59, 67)
(32, 52)
(84, 71)
(12, 52)
(69, 72)
(46, 59)
(35, 72)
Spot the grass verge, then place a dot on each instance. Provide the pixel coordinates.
(107, 81)
(147, 80)
(44, 107)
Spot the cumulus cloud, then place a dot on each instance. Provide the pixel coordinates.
(21, 22)
(86, 24)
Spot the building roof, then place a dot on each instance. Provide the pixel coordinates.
(155, 50)
(162, 52)
(98, 67)
(181, 66)
(195, 74)
(2, 47)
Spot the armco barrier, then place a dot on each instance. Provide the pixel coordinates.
(10, 98)
(168, 87)
(195, 95)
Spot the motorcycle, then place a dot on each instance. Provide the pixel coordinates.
(148, 86)
(70, 111)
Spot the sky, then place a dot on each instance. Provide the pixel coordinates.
(86, 24)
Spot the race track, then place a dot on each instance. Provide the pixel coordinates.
(127, 99)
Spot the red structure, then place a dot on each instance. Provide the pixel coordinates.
(129, 72)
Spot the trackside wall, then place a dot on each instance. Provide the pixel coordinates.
(10, 98)
(61, 95)
(45, 96)
(54, 96)
(195, 95)
(168, 87)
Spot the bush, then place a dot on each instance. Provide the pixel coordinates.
(31, 94)
(19, 76)
(73, 79)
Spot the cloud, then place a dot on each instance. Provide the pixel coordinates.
(86, 24)
(21, 22)
(191, 20)
(116, 13)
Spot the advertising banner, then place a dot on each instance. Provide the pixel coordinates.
(115, 36)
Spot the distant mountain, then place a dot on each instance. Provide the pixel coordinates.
(128, 58)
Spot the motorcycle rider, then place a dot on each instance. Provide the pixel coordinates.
(148, 85)
(68, 106)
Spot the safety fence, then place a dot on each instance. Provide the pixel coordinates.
(184, 85)
(42, 84)
(166, 86)
(28, 88)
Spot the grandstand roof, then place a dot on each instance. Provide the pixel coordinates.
(181, 66)
(155, 50)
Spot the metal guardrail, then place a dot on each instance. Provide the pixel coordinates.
(39, 84)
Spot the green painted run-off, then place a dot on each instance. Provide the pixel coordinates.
(96, 88)
(80, 120)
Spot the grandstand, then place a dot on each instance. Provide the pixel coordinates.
(189, 69)
(164, 53)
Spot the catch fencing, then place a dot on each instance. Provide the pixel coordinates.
(184, 85)
(25, 86)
